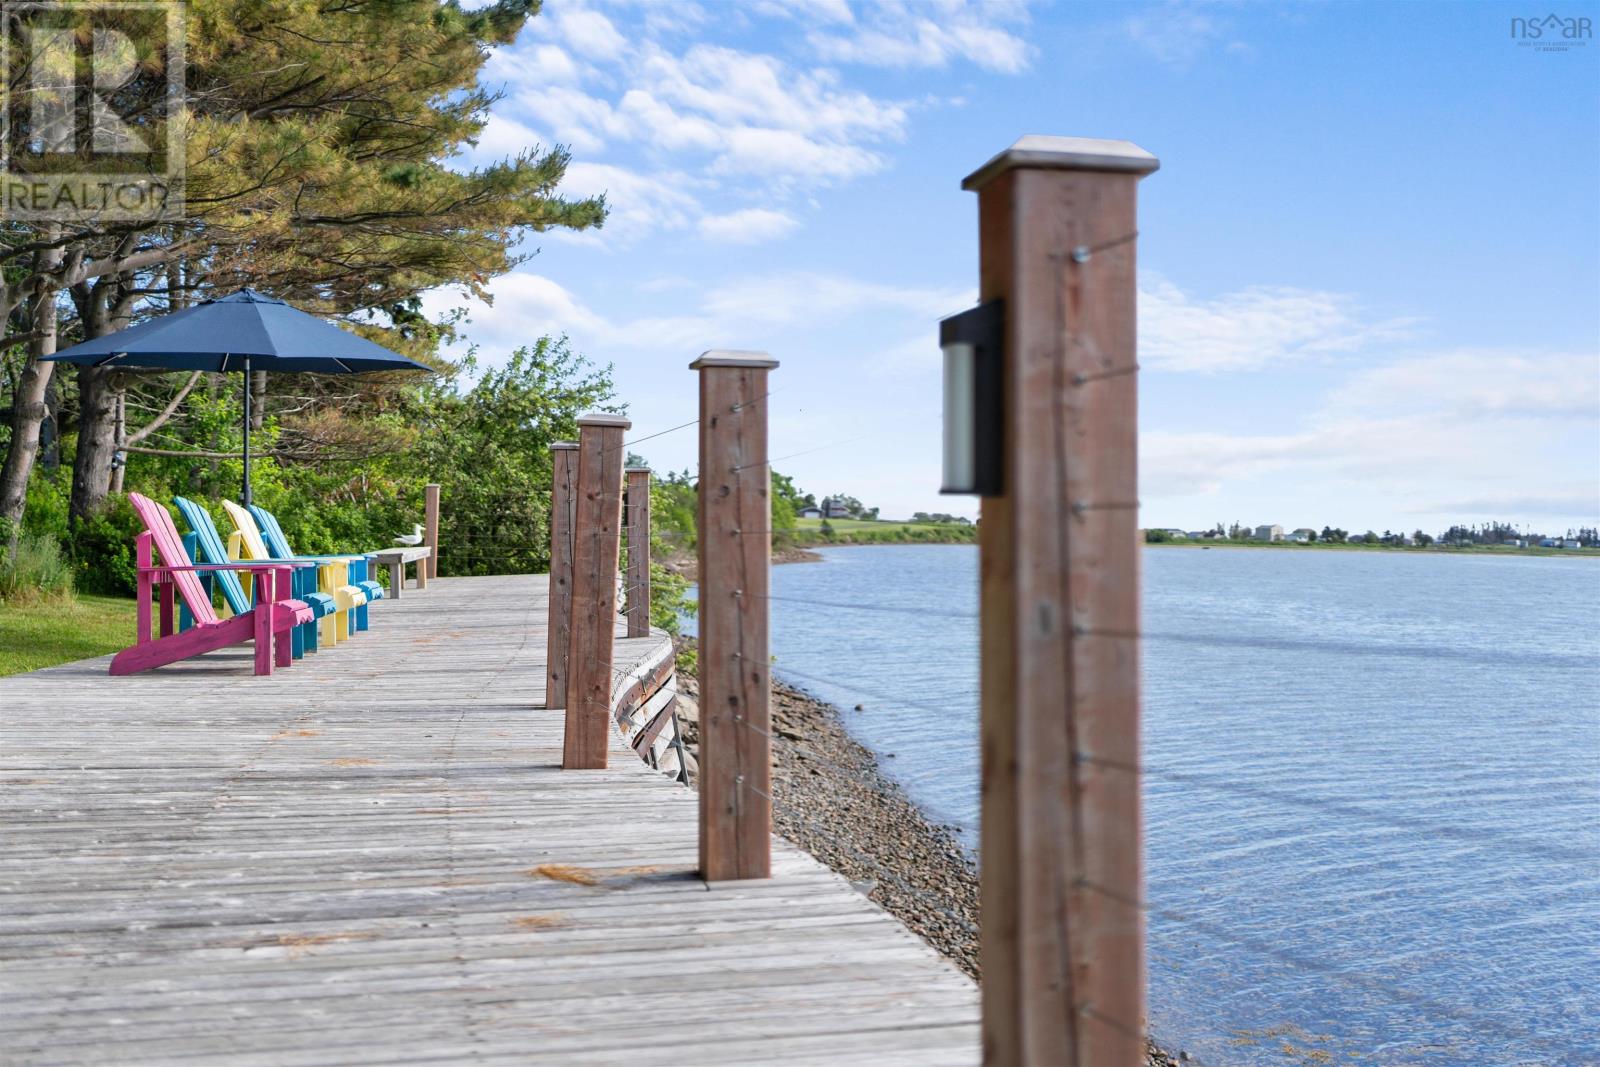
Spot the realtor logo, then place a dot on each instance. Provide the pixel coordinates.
(1552, 33)
(91, 110)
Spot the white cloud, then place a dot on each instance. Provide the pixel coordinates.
(527, 305)
(778, 299)
(787, 154)
(1454, 435)
(537, 64)
(502, 137)
(894, 34)
(1578, 500)
(1480, 385)
(744, 89)
(750, 226)
(575, 117)
(1254, 327)
(657, 122)
(1178, 34)
(588, 33)
(808, 12)
(637, 203)
(730, 116)
(618, 83)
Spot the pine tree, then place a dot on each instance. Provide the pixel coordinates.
(321, 147)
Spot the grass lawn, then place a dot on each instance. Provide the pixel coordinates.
(873, 524)
(59, 631)
(808, 532)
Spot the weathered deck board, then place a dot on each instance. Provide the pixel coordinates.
(332, 865)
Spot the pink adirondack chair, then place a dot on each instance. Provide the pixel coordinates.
(270, 619)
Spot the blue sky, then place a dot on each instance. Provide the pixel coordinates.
(1369, 264)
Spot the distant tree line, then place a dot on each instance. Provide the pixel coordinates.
(1500, 533)
(1492, 533)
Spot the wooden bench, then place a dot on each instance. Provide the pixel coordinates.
(396, 559)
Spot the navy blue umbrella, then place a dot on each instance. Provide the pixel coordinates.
(243, 332)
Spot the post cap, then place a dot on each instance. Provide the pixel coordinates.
(605, 418)
(561, 445)
(1040, 152)
(636, 470)
(733, 357)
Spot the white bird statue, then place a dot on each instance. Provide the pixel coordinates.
(412, 538)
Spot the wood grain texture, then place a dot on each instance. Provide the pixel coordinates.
(564, 478)
(596, 549)
(338, 864)
(430, 528)
(638, 598)
(396, 560)
(1060, 595)
(735, 679)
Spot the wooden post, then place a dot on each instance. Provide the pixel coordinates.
(430, 534)
(638, 551)
(596, 543)
(735, 683)
(563, 480)
(1062, 942)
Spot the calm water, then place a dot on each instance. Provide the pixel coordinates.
(1376, 834)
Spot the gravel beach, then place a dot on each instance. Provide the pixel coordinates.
(833, 800)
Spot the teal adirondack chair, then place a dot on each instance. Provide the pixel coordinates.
(278, 545)
(205, 544)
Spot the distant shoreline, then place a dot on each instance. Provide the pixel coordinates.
(810, 547)
(1438, 550)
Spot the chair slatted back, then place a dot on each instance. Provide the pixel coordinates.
(271, 532)
(212, 550)
(158, 520)
(245, 523)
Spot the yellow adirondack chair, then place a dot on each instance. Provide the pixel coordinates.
(333, 574)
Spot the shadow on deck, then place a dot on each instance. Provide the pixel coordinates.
(374, 857)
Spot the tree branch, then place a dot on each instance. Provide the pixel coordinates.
(192, 453)
(166, 412)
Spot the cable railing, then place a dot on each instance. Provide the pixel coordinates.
(1423, 828)
(1355, 812)
(1350, 810)
(1062, 646)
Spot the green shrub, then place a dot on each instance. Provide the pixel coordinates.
(32, 569)
(45, 512)
(667, 599)
(103, 549)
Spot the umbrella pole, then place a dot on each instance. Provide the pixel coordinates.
(246, 492)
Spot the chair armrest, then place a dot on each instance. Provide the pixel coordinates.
(236, 565)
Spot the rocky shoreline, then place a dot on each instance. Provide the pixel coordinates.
(687, 567)
(833, 800)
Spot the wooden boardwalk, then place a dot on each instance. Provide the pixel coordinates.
(340, 864)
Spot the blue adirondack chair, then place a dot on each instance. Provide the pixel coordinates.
(278, 545)
(205, 544)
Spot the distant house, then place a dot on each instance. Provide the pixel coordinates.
(1199, 535)
(833, 509)
(1177, 533)
(811, 511)
(1304, 536)
(1549, 542)
(1570, 543)
(1268, 533)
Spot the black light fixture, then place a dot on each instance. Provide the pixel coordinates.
(974, 409)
